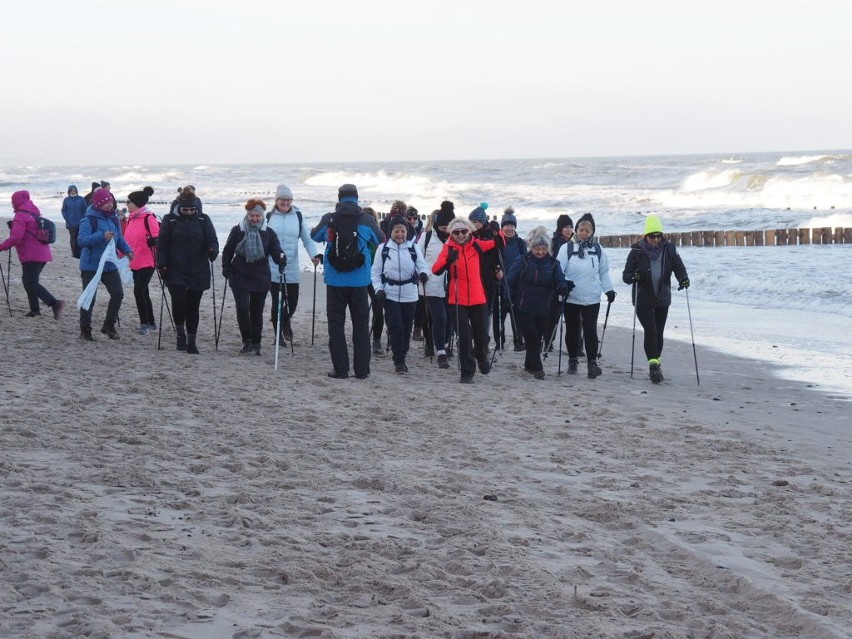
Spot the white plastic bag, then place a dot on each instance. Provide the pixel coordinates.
(109, 255)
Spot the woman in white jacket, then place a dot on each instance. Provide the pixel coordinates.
(398, 268)
(286, 220)
(586, 270)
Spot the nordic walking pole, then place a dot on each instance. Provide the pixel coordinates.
(6, 286)
(498, 337)
(603, 332)
(561, 320)
(222, 310)
(280, 312)
(458, 334)
(314, 309)
(283, 285)
(427, 322)
(633, 344)
(552, 335)
(160, 327)
(694, 355)
(508, 298)
(168, 308)
(213, 286)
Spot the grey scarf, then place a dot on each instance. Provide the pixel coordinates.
(251, 246)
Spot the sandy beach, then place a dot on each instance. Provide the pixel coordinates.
(151, 493)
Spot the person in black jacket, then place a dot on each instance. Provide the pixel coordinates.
(245, 263)
(535, 279)
(649, 268)
(187, 242)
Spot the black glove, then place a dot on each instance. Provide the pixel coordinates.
(684, 283)
(211, 254)
(380, 297)
(423, 277)
(452, 255)
(319, 255)
(569, 286)
(610, 296)
(636, 276)
(226, 271)
(562, 289)
(162, 271)
(152, 241)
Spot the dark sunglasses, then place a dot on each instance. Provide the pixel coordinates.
(655, 236)
(461, 232)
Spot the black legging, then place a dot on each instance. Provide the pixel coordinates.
(249, 312)
(653, 321)
(141, 279)
(577, 316)
(185, 305)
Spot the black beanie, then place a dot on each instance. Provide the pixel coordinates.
(443, 217)
(140, 198)
(347, 190)
(562, 221)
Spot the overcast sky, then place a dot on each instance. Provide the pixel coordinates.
(208, 81)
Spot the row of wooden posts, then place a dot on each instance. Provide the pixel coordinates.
(768, 237)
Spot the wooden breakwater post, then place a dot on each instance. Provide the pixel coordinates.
(766, 237)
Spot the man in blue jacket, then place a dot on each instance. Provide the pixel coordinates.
(73, 209)
(351, 236)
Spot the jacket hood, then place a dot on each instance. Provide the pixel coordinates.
(21, 202)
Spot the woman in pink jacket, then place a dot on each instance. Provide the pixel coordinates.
(32, 253)
(141, 234)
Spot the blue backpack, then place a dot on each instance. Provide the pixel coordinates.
(45, 231)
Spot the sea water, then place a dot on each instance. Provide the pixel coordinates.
(786, 305)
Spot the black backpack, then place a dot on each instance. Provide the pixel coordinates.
(45, 229)
(345, 253)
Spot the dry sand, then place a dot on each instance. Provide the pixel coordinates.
(151, 493)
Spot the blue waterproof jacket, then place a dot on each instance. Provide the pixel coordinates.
(73, 209)
(369, 237)
(91, 239)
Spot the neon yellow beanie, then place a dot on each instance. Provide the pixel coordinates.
(653, 224)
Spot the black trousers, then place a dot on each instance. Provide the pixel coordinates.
(585, 317)
(75, 250)
(356, 299)
(288, 310)
(112, 281)
(141, 279)
(185, 305)
(400, 319)
(534, 330)
(30, 273)
(377, 324)
(249, 313)
(653, 321)
(472, 323)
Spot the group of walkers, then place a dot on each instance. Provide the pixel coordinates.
(452, 283)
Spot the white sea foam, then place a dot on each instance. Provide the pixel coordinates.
(801, 159)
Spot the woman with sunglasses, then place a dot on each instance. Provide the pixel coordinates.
(186, 243)
(461, 258)
(649, 268)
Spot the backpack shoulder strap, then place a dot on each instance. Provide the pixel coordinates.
(426, 243)
(413, 252)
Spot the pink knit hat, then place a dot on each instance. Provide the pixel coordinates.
(101, 197)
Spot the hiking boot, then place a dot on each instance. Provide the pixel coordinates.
(539, 374)
(32, 314)
(428, 352)
(594, 369)
(484, 366)
(191, 348)
(520, 347)
(142, 329)
(400, 367)
(655, 373)
(377, 347)
(152, 327)
(58, 305)
(336, 375)
(443, 361)
(417, 335)
(247, 347)
(108, 329)
(180, 342)
(86, 334)
(255, 348)
(573, 363)
(363, 376)
(466, 379)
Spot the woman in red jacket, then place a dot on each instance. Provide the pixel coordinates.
(461, 258)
